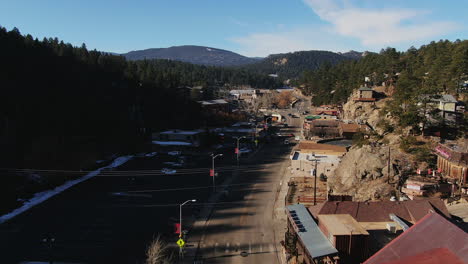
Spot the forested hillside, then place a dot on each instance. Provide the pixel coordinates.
(292, 65)
(192, 54)
(433, 68)
(62, 105)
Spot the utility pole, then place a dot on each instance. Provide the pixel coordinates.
(388, 165)
(213, 174)
(315, 178)
(237, 149)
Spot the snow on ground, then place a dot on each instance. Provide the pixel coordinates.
(172, 143)
(43, 196)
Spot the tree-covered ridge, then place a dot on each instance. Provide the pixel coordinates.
(192, 54)
(291, 65)
(433, 68)
(63, 105)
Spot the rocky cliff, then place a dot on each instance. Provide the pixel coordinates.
(363, 173)
(366, 111)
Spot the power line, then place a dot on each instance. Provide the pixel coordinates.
(187, 188)
(135, 173)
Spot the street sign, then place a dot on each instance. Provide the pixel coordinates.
(236, 151)
(180, 242)
(177, 228)
(212, 173)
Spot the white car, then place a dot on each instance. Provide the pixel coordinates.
(244, 150)
(168, 171)
(174, 153)
(174, 164)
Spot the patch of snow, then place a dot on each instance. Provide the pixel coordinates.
(172, 143)
(168, 171)
(208, 49)
(45, 195)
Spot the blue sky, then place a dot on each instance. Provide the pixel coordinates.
(249, 27)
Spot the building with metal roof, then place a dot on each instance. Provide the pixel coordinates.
(312, 245)
(425, 238)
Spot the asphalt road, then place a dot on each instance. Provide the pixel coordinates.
(246, 224)
(94, 223)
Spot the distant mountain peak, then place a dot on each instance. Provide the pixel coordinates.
(193, 54)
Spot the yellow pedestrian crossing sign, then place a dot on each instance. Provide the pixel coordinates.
(180, 242)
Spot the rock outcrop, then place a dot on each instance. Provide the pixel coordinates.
(365, 111)
(363, 173)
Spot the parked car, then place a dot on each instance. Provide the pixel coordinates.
(168, 171)
(244, 150)
(174, 164)
(174, 153)
(151, 154)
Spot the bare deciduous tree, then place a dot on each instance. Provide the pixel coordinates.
(157, 252)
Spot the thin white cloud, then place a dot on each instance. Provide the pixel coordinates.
(238, 22)
(287, 40)
(378, 27)
(349, 28)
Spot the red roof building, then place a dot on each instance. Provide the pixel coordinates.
(410, 211)
(433, 256)
(433, 239)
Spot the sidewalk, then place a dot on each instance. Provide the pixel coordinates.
(279, 215)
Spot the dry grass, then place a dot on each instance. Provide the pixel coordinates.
(157, 252)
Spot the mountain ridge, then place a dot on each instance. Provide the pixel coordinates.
(286, 65)
(201, 55)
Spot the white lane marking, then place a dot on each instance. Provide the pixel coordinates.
(250, 247)
(272, 248)
(215, 246)
(227, 248)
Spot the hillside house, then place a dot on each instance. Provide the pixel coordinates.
(365, 94)
(452, 161)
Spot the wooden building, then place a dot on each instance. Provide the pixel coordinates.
(452, 162)
(347, 236)
(365, 94)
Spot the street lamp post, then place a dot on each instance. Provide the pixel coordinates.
(213, 157)
(180, 215)
(238, 150)
(181, 252)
